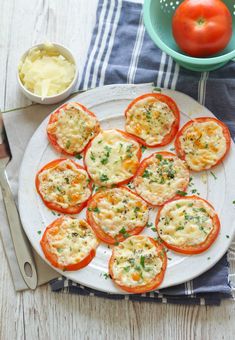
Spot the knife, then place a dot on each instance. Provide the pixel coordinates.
(21, 244)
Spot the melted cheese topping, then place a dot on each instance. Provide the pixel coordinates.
(162, 178)
(137, 261)
(203, 144)
(64, 184)
(185, 222)
(74, 128)
(71, 241)
(150, 119)
(112, 158)
(119, 211)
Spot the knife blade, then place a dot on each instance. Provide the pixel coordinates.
(21, 244)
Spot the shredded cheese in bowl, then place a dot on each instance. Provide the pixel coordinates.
(45, 71)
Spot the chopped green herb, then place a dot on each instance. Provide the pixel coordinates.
(124, 232)
(92, 156)
(149, 225)
(153, 229)
(172, 149)
(136, 209)
(194, 191)
(190, 204)
(116, 243)
(143, 148)
(233, 202)
(212, 174)
(227, 236)
(60, 250)
(181, 193)
(68, 144)
(178, 205)
(146, 174)
(104, 178)
(208, 258)
(53, 212)
(59, 189)
(202, 210)
(159, 157)
(39, 232)
(104, 161)
(127, 268)
(78, 156)
(96, 209)
(106, 276)
(67, 180)
(142, 259)
(157, 89)
(180, 228)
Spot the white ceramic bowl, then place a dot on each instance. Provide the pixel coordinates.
(58, 97)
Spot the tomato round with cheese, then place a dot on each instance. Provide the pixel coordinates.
(112, 157)
(188, 225)
(160, 177)
(69, 243)
(203, 143)
(71, 127)
(116, 214)
(138, 264)
(64, 186)
(153, 119)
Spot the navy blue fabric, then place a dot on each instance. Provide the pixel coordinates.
(121, 52)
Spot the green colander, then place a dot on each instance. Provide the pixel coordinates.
(157, 18)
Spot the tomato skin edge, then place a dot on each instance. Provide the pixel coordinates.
(198, 249)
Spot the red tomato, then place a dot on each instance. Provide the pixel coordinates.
(202, 27)
(53, 137)
(54, 206)
(172, 105)
(100, 233)
(199, 248)
(156, 281)
(53, 229)
(178, 147)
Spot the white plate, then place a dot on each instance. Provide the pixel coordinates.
(109, 103)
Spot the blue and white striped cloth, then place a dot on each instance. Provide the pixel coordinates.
(122, 52)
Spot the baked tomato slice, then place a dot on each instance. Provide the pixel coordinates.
(112, 158)
(159, 178)
(188, 225)
(115, 214)
(203, 143)
(138, 264)
(64, 186)
(71, 127)
(153, 119)
(69, 243)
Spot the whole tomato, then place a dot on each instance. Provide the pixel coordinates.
(202, 27)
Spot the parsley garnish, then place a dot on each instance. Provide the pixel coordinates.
(92, 156)
(104, 178)
(106, 276)
(212, 174)
(158, 156)
(153, 229)
(78, 156)
(68, 143)
(181, 193)
(39, 232)
(180, 228)
(124, 232)
(227, 236)
(143, 148)
(96, 209)
(146, 174)
(142, 259)
(60, 250)
(157, 89)
(67, 180)
(148, 225)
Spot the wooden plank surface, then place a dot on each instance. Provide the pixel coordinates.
(45, 315)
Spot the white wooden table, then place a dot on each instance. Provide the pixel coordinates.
(45, 315)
